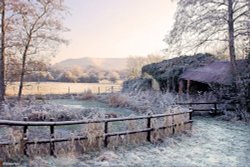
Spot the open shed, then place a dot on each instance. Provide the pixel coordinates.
(165, 74)
(199, 78)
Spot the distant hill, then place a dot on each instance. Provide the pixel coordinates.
(101, 63)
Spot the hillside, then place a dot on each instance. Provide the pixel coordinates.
(101, 63)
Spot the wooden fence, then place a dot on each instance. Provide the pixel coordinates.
(46, 89)
(106, 134)
(215, 110)
(107, 89)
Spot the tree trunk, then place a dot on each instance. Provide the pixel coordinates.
(231, 37)
(23, 68)
(2, 58)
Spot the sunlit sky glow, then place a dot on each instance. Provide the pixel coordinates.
(116, 28)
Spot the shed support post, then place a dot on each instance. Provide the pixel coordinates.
(180, 87)
(188, 86)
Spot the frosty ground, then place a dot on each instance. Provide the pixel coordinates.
(211, 142)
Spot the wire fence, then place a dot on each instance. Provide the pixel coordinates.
(62, 88)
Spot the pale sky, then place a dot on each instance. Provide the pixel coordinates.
(116, 28)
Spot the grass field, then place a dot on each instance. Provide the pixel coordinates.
(42, 88)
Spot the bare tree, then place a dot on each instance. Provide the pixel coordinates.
(6, 20)
(135, 64)
(2, 58)
(209, 24)
(38, 30)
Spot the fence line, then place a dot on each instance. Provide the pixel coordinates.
(64, 89)
(214, 110)
(25, 124)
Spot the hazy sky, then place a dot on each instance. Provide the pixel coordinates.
(116, 28)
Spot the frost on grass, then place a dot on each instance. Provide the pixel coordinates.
(43, 111)
(148, 102)
(86, 95)
(144, 102)
(213, 143)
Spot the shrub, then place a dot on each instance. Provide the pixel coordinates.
(117, 100)
(86, 95)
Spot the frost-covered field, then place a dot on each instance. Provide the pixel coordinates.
(211, 143)
(31, 88)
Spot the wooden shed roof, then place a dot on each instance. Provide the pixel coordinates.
(217, 72)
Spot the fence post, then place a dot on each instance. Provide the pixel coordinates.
(215, 108)
(68, 89)
(190, 105)
(99, 90)
(173, 125)
(52, 137)
(191, 117)
(191, 113)
(25, 137)
(149, 126)
(112, 89)
(105, 134)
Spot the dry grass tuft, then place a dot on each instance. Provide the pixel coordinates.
(13, 151)
(117, 100)
(86, 95)
(94, 131)
(177, 120)
(38, 116)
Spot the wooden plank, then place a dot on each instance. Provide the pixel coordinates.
(129, 132)
(57, 140)
(203, 103)
(63, 123)
(105, 132)
(52, 137)
(25, 138)
(52, 140)
(149, 127)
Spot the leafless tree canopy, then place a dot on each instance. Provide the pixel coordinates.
(31, 32)
(135, 64)
(205, 25)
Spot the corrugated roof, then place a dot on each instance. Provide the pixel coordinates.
(217, 72)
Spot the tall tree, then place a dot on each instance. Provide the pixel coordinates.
(7, 13)
(210, 24)
(39, 29)
(2, 58)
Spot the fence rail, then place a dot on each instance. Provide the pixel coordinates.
(213, 110)
(106, 134)
(203, 103)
